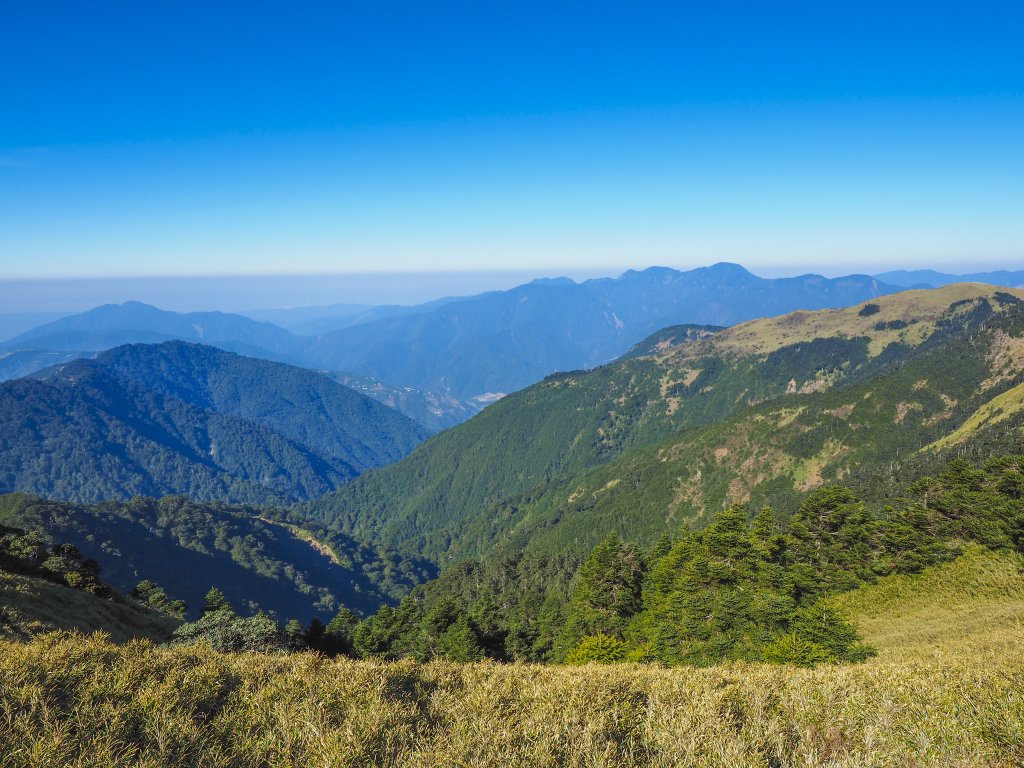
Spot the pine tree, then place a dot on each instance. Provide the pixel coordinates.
(608, 591)
(460, 642)
(215, 601)
(293, 635)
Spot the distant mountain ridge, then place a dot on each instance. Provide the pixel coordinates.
(182, 418)
(917, 278)
(487, 345)
(457, 350)
(504, 340)
(132, 322)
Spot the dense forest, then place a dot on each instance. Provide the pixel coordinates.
(187, 547)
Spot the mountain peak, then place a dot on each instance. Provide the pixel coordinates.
(729, 268)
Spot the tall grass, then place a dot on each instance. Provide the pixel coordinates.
(70, 699)
(30, 605)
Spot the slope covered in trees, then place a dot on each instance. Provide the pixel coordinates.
(760, 412)
(47, 586)
(187, 547)
(754, 588)
(180, 418)
(331, 419)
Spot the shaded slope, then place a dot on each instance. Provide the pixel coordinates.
(32, 606)
(187, 547)
(332, 420)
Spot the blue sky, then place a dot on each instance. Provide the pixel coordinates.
(264, 138)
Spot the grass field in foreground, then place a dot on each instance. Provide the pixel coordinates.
(934, 696)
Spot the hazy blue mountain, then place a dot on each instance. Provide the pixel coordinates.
(334, 420)
(504, 340)
(132, 322)
(291, 318)
(480, 347)
(180, 418)
(918, 278)
(12, 324)
(311, 321)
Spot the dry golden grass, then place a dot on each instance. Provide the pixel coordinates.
(946, 690)
(77, 700)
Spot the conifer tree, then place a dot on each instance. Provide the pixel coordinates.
(608, 591)
(215, 601)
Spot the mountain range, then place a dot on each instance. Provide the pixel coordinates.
(442, 361)
(471, 350)
(929, 278)
(689, 420)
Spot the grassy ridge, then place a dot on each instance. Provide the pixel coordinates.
(933, 696)
(29, 606)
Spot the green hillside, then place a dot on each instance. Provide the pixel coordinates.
(751, 587)
(973, 605)
(760, 412)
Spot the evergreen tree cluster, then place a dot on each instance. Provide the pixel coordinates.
(227, 632)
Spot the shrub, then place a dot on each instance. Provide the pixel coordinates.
(600, 648)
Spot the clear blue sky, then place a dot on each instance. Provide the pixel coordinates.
(217, 138)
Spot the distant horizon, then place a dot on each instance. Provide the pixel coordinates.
(241, 293)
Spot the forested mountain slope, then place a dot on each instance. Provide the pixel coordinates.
(333, 420)
(758, 412)
(178, 418)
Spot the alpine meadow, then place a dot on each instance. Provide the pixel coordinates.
(527, 386)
